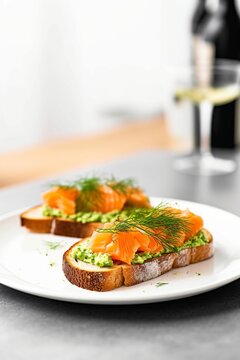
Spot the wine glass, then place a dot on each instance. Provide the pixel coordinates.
(207, 86)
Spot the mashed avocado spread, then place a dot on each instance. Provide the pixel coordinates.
(85, 254)
(86, 217)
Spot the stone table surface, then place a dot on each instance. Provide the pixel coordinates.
(204, 326)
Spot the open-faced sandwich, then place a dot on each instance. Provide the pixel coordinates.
(80, 207)
(145, 244)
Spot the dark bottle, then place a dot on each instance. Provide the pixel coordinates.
(220, 29)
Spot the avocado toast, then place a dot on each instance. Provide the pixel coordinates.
(78, 208)
(144, 245)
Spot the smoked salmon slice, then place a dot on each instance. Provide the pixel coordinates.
(103, 199)
(123, 245)
(99, 241)
(61, 198)
(137, 198)
(196, 224)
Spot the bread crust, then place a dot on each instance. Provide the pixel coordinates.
(89, 276)
(34, 221)
(94, 278)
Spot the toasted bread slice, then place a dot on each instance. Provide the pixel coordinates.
(34, 221)
(95, 278)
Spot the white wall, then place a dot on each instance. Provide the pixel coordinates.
(66, 63)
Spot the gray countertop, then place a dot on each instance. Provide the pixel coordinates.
(203, 326)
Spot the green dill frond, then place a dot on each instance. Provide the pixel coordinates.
(162, 218)
(83, 184)
(89, 196)
(91, 183)
(121, 185)
(88, 183)
(62, 184)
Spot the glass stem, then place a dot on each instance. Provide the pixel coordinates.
(205, 112)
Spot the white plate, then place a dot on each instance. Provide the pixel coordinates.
(32, 263)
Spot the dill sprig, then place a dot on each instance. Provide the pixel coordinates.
(62, 184)
(120, 185)
(88, 184)
(160, 283)
(89, 196)
(166, 220)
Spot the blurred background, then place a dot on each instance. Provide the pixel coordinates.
(81, 67)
